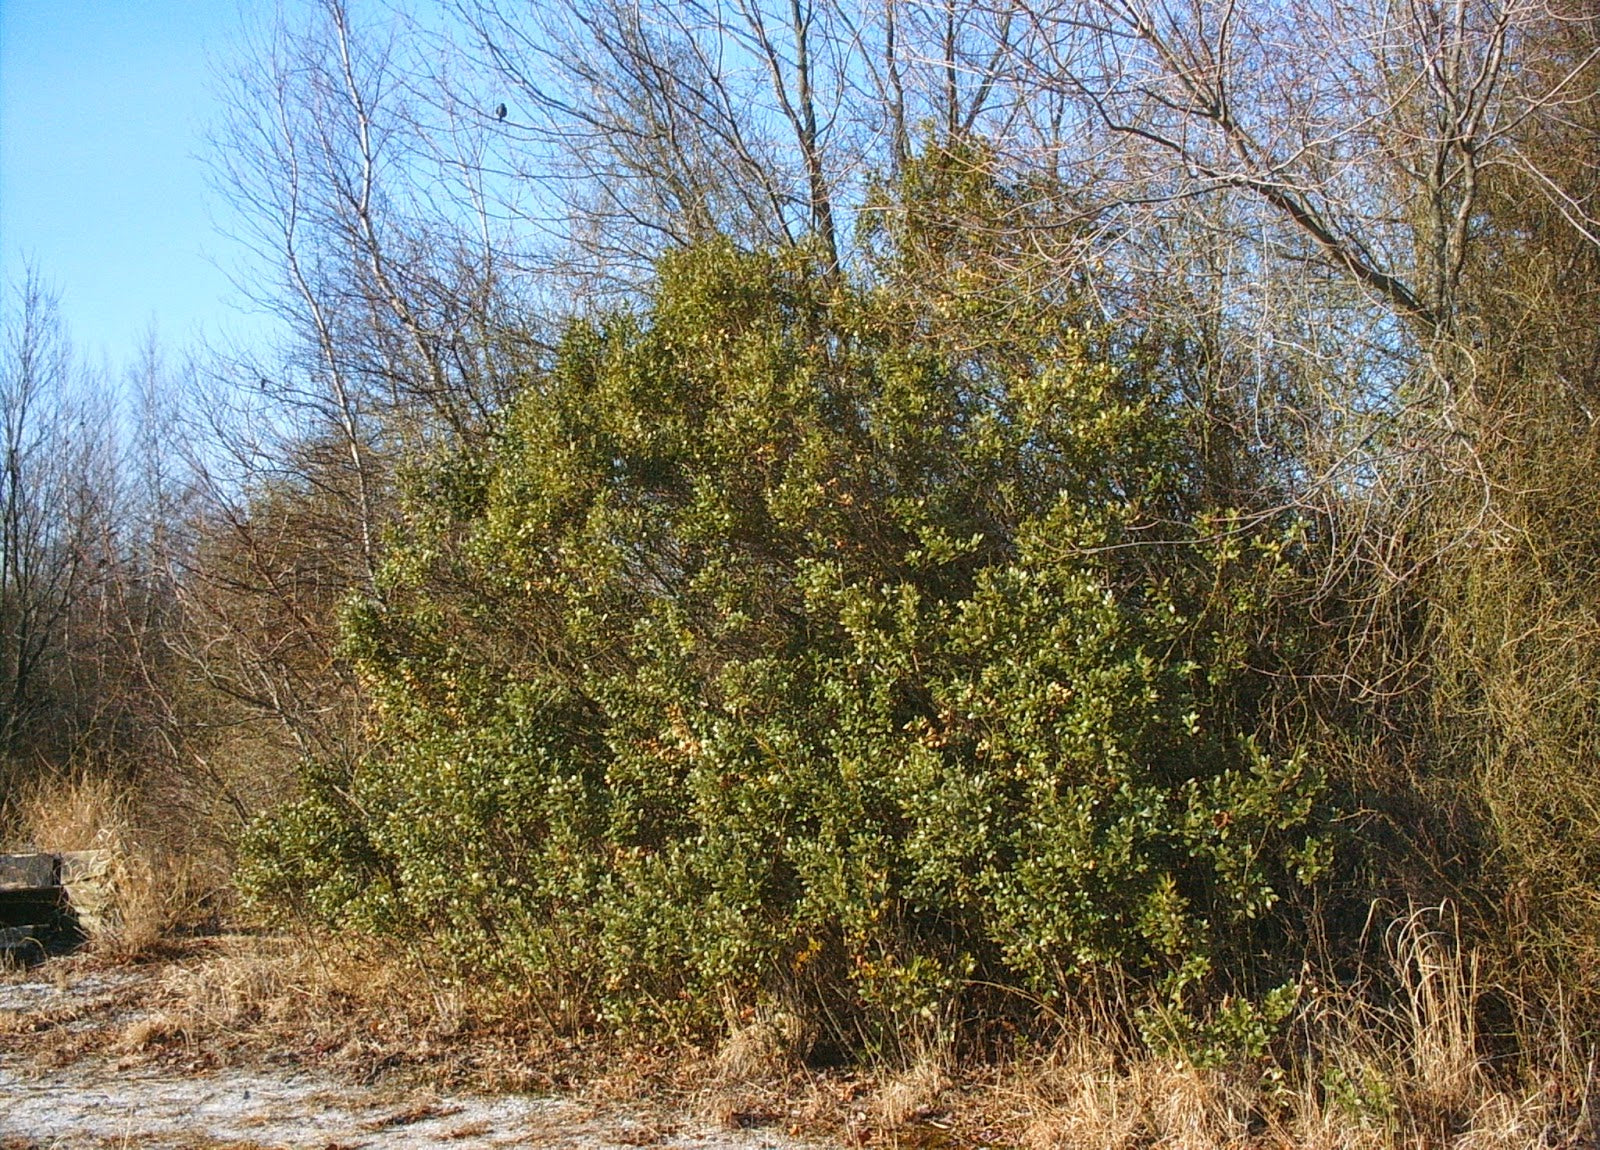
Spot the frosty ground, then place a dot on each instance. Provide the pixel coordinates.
(133, 1056)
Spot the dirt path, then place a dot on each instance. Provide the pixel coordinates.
(66, 1080)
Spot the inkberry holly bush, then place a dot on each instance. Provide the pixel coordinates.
(785, 645)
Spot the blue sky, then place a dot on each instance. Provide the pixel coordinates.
(104, 106)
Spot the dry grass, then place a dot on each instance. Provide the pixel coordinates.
(239, 1000)
(912, 1095)
(1086, 1098)
(764, 1044)
(1411, 1074)
(1091, 1092)
(1405, 1076)
(1405, 1071)
(153, 888)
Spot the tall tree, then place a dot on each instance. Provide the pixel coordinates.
(57, 493)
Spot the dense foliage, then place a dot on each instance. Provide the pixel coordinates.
(780, 647)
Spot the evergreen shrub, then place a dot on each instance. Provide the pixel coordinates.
(787, 646)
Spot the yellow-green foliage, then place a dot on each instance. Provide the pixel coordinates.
(778, 648)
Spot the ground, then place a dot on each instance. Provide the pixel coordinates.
(215, 1047)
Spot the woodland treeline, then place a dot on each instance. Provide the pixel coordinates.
(919, 514)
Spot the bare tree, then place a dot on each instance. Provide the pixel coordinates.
(1291, 196)
(57, 490)
(363, 196)
(1354, 137)
(645, 126)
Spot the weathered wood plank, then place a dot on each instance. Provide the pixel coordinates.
(89, 878)
(29, 871)
(19, 907)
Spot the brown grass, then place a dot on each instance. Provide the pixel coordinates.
(764, 1044)
(911, 1095)
(1403, 1070)
(1410, 1073)
(1407, 1074)
(156, 889)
